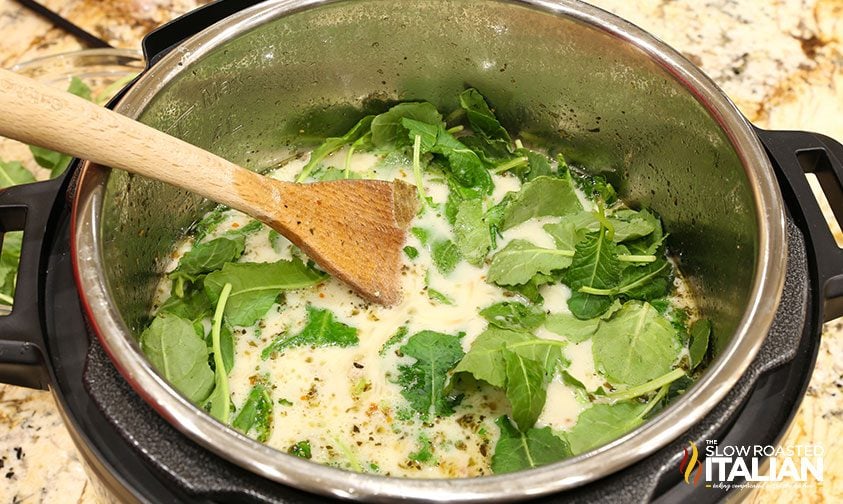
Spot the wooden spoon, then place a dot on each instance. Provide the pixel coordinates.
(354, 229)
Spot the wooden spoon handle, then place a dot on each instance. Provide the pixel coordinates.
(37, 114)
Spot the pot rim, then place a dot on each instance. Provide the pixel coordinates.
(667, 426)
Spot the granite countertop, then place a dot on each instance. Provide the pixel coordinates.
(781, 61)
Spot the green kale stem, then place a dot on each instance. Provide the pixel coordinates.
(350, 455)
(639, 390)
(417, 171)
(351, 150)
(348, 161)
(178, 287)
(604, 222)
(512, 163)
(636, 258)
(538, 342)
(455, 116)
(456, 129)
(221, 374)
(655, 400)
(308, 168)
(6, 299)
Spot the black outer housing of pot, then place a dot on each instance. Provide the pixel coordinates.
(138, 456)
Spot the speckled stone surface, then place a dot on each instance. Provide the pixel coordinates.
(781, 61)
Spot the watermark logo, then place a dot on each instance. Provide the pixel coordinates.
(690, 463)
(736, 466)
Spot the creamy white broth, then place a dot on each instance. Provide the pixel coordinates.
(344, 401)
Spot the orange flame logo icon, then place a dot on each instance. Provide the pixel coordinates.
(691, 462)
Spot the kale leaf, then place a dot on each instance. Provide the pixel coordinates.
(243, 231)
(194, 306)
(566, 234)
(422, 234)
(540, 197)
(435, 295)
(174, 349)
(388, 130)
(13, 173)
(12, 243)
(79, 88)
(636, 345)
(257, 285)
(428, 133)
(602, 423)
(393, 340)
(424, 382)
(486, 359)
(526, 388)
(208, 223)
(520, 260)
(320, 330)
(631, 225)
(547, 352)
(628, 225)
(457, 194)
(480, 116)
(490, 141)
(329, 173)
(650, 281)
(517, 451)
(492, 152)
(256, 414)
(333, 144)
(494, 217)
(538, 165)
(645, 282)
(530, 290)
(445, 256)
(595, 265)
(700, 334)
(464, 165)
(54, 161)
(411, 252)
(514, 315)
(205, 258)
(301, 449)
(574, 329)
(425, 451)
(650, 244)
(444, 253)
(594, 186)
(471, 234)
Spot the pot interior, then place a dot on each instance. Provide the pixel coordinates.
(605, 104)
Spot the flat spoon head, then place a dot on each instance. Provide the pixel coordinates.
(354, 229)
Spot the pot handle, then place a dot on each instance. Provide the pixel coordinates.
(167, 36)
(795, 154)
(26, 208)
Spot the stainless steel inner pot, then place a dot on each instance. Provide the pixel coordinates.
(258, 84)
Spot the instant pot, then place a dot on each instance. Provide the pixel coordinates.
(244, 79)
